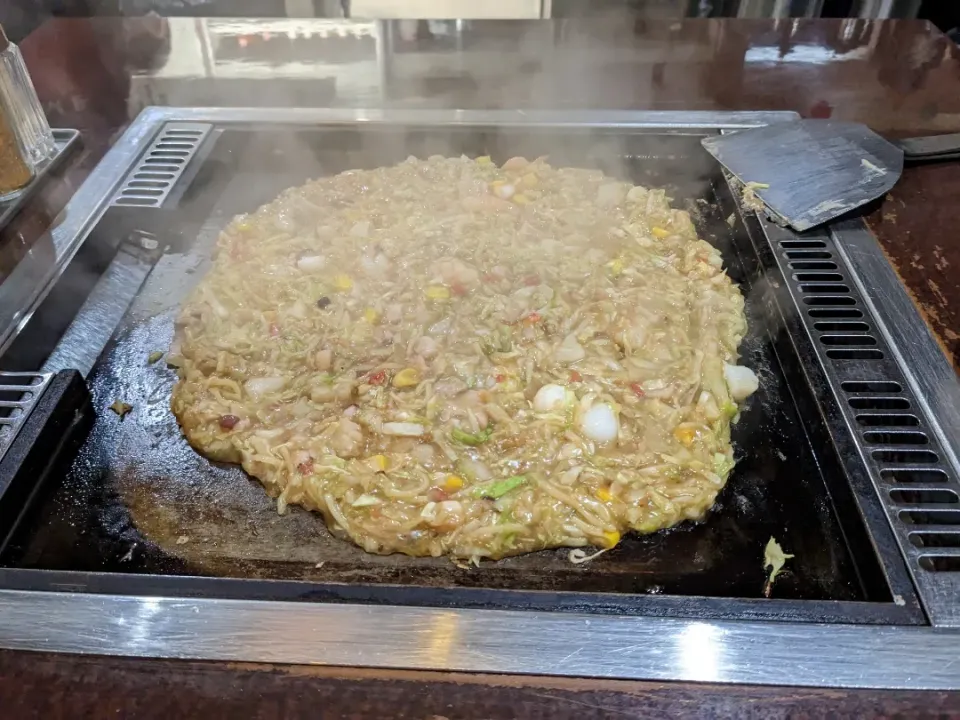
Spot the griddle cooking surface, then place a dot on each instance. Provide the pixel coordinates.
(139, 500)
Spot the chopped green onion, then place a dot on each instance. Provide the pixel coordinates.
(498, 488)
(465, 438)
(154, 356)
(722, 464)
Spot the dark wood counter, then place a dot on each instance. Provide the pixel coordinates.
(55, 687)
(902, 78)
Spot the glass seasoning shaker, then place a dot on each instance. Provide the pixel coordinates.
(15, 170)
(23, 107)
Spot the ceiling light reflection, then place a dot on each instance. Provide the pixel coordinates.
(698, 652)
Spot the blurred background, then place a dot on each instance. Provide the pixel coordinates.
(19, 17)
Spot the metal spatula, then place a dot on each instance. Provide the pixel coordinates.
(812, 171)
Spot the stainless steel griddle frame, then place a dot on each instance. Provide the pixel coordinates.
(546, 643)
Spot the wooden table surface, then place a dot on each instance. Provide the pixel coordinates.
(900, 77)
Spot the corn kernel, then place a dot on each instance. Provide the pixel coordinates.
(453, 483)
(379, 463)
(371, 316)
(611, 538)
(408, 377)
(685, 434)
(437, 292)
(604, 495)
(521, 199)
(343, 283)
(616, 267)
(484, 161)
(659, 232)
(530, 180)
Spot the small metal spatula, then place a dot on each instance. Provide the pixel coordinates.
(812, 171)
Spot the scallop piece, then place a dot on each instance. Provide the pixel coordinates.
(551, 397)
(600, 423)
(741, 381)
(312, 263)
(260, 386)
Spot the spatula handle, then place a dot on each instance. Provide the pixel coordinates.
(930, 148)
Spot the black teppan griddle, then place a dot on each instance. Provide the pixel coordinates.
(140, 511)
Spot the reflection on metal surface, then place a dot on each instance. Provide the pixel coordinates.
(30, 281)
(494, 641)
(699, 650)
(806, 54)
(85, 337)
(442, 639)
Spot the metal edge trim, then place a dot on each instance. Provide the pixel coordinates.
(924, 365)
(30, 281)
(574, 118)
(15, 422)
(933, 589)
(496, 641)
(143, 164)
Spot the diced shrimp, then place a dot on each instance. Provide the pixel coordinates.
(455, 272)
(515, 163)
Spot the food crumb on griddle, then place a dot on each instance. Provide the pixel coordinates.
(121, 408)
(774, 558)
(183, 540)
(128, 556)
(154, 356)
(750, 199)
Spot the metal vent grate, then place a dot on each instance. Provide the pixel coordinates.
(919, 489)
(19, 392)
(164, 161)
